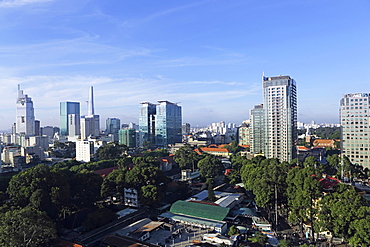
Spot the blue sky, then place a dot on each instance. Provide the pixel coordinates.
(208, 55)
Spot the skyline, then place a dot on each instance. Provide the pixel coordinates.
(207, 55)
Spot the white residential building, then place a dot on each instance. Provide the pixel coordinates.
(84, 150)
(355, 121)
(280, 113)
(274, 124)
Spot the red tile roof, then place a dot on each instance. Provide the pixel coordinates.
(104, 172)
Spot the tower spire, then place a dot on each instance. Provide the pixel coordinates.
(90, 107)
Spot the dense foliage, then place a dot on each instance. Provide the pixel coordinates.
(26, 227)
(112, 150)
(187, 158)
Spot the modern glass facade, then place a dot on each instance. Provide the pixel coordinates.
(168, 124)
(127, 137)
(113, 125)
(25, 117)
(147, 122)
(160, 124)
(355, 126)
(67, 108)
(257, 135)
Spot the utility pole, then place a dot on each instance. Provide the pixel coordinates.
(276, 206)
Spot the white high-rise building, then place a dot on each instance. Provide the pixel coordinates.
(274, 124)
(25, 117)
(90, 124)
(73, 125)
(280, 115)
(355, 123)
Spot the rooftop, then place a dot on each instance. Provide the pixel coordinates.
(204, 211)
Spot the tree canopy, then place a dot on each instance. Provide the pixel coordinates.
(187, 158)
(210, 167)
(112, 150)
(54, 190)
(26, 227)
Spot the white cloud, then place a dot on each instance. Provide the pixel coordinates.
(120, 97)
(20, 3)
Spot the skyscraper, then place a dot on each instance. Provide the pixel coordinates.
(355, 134)
(147, 122)
(127, 137)
(257, 135)
(69, 118)
(25, 117)
(113, 125)
(160, 124)
(168, 123)
(90, 124)
(280, 111)
(279, 121)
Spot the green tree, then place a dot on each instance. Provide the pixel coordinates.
(259, 238)
(143, 175)
(267, 180)
(360, 229)
(210, 167)
(86, 188)
(43, 188)
(98, 218)
(187, 158)
(113, 183)
(303, 190)
(285, 243)
(112, 150)
(233, 231)
(339, 209)
(149, 195)
(26, 227)
(211, 193)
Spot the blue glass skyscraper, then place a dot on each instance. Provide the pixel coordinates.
(160, 123)
(147, 122)
(69, 118)
(168, 127)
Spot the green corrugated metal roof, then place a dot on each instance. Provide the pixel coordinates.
(199, 210)
(193, 220)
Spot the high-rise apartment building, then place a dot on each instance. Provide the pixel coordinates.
(160, 124)
(244, 133)
(90, 124)
(69, 118)
(127, 137)
(280, 110)
(278, 120)
(355, 125)
(257, 130)
(25, 117)
(186, 129)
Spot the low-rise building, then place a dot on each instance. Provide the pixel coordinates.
(198, 214)
(131, 197)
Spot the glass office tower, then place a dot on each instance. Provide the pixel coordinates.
(168, 123)
(160, 124)
(69, 118)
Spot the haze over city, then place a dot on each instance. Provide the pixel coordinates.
(207, 55)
